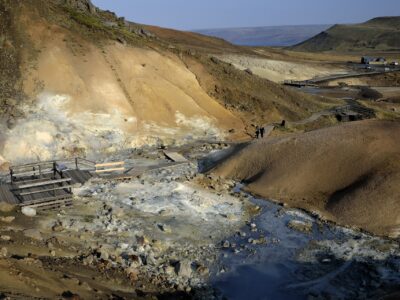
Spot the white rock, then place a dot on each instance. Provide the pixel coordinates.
(6, 208)
(8, 219)
(184, 269)
(3, 252)
(29, 211)
(5, 238)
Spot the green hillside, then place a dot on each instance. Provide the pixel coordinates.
(379, 34)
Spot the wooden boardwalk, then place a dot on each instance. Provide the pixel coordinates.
(44, 184)
(6, 195)
(47, 185)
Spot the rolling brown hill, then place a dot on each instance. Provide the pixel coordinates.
(348, 173)
(379, 34)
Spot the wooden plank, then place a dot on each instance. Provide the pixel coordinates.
(110, 164)
(46, 191)
(32, 173)
(110, 170)
(6, 195)
(39, 184)
(44, 163)
(29, 181)
(84, 160)
(46, 200)
(51, 204)
(174, 156)
(54, 207)
(78, 176)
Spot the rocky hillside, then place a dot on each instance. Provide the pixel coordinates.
(379, 34)
(75, 79)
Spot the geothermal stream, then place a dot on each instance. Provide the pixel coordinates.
(287, 254)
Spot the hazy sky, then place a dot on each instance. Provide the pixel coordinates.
(200, 14)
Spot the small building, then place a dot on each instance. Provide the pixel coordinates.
(366, 60)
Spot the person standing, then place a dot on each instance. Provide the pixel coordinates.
(257, 132)
(262, 132)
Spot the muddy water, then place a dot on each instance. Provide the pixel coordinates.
(329, 262)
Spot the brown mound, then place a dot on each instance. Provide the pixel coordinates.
(348, 173)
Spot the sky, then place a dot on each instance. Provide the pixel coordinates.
(204, 14)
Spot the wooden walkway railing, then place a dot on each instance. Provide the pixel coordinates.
(48, 184)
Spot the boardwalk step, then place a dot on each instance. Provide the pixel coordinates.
(66, 202)
(47, 200)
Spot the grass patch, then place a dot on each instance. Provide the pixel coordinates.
(86, 20)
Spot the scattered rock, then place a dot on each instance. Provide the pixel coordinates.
(28, 211)
(8, 219)
(203, 271)
(57, 227)
(132, 273)
(142, 240)
(6, 238)
(104, 254)
(260, 241)
(184, 269)
(169, 270)
(69, 295)
(302, 226)
(226, 244)
(33, 234)
(3, 252)
(6, 208)
(165, 228)
(88, 260)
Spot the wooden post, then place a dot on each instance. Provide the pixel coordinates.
(76, 163)
(54, 170)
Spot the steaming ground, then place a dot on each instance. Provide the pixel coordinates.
(50, 130)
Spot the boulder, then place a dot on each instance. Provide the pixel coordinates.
(3, 252)
(6, 238)
(132, 273)
(184, 269)
(8, 219)
(6, 207)
(302, 226)
(28, 211)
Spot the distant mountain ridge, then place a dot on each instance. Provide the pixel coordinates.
(380, 34)
(266, 36)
